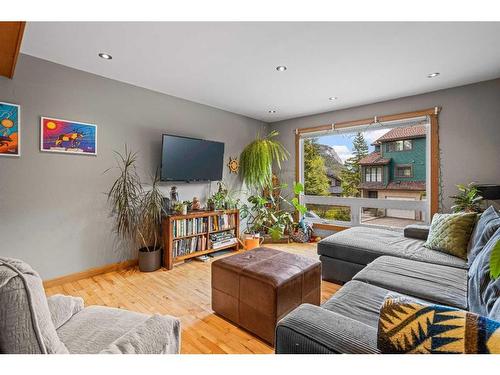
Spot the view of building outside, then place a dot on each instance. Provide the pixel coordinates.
(375, 163)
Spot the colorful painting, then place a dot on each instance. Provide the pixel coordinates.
(10, 126)
(70, 137)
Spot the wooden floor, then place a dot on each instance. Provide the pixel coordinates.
(183, 292)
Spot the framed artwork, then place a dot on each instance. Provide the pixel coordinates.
(69, 137)
(10, 129)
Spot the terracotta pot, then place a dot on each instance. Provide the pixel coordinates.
(149, 259)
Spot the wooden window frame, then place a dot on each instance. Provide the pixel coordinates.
(394, 143)
(376, 167)
(403, 166)
(432, 113)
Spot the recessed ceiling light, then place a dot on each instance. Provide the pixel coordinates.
(281, 68)
(271, 111)
(105, 56)
(332, 98)
(432, 75)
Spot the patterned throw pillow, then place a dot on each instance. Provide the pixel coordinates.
(450, 233)
(408, 326)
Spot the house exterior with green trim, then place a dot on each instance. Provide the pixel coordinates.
(397, 168)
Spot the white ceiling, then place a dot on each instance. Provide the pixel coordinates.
(232, 65)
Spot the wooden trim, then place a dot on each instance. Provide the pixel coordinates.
(91, 272)
(435, 164)
(369, 120)
(433, 114)
(11, 36)
(337, 228)
(296, 214)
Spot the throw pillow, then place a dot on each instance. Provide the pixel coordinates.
(483, 291)
(450, 233)
(488, 223)
(409, 326)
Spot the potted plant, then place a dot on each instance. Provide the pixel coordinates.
(468, 199)
(210, 204)
(178, 208)
(219, 199)
(188, 206)
(267, 216)
(137, 212)
(257, 160)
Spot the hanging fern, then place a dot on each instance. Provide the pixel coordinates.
(257, 159)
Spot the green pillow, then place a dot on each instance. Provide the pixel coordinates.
(450, 233)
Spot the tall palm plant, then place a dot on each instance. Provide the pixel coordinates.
(257, 160)
(150, 215)
(137, 212)
(125, 195)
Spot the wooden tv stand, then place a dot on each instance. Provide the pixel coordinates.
(176, 231)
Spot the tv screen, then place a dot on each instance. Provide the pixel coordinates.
(191, 159)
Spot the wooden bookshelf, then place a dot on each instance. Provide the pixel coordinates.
(174, 229)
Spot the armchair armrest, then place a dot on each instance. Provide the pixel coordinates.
(157, 335)
(417, 231)
(62, 308)
(311, 329)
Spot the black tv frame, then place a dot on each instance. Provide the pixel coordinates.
(198, 139)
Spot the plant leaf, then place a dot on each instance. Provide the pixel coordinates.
(495, 261)
(298, 188)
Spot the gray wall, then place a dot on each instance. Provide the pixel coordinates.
(469, 131)
(53, 209)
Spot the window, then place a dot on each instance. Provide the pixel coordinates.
(373, 174)
(399, 146)
(373, 194)
(403, 171)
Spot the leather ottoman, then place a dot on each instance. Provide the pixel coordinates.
(257, 288)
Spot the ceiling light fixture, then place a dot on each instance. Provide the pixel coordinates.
(105, 56)
(332, 98)
(271, 111)
(432, 75)
(281, 68)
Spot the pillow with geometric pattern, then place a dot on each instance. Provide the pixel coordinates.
(450, 233)
(408, 326)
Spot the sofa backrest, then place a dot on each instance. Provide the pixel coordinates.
(486, 226)
(484, 292)
(25, 323)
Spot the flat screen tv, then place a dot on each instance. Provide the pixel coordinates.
(191, 159)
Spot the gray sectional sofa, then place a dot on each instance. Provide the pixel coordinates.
(346, 253)
(374, 263)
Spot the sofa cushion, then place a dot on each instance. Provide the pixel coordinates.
(486, 226)
(408, 326)
(431, 282)
(417, 231)
(450, 233)
(362, 245)
(359, 301)
(484, 292)
(95, 328)
(25, 321)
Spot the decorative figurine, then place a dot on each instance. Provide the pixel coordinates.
(196, 205)
(174, 197)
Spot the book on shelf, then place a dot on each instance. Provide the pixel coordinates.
(190, 245)
(188, 227)
(221, 239)
(223, 243)
(222, 222)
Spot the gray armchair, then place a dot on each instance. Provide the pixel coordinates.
(30, 323)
